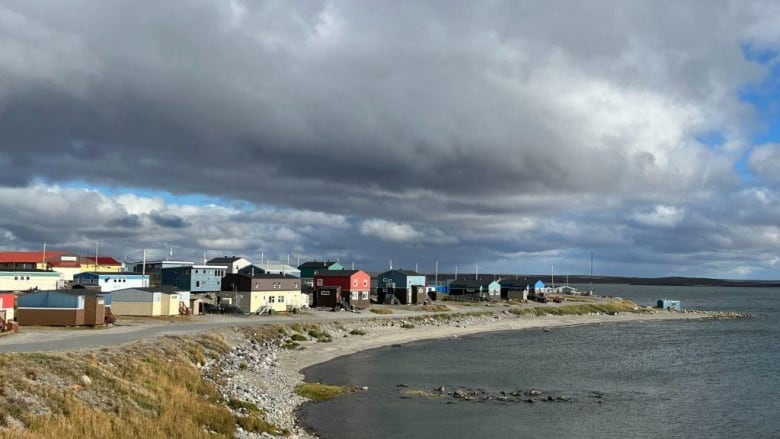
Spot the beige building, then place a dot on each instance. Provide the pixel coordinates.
(30, 280)
(148, 302)
(264, 292)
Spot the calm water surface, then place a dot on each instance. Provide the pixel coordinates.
(688, 379)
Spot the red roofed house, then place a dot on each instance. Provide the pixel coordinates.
(342, 287)
(65, 263)
(35, 260)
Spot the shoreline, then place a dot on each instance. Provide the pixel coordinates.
(271, 376)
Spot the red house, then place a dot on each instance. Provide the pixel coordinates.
(348, 288)
(6, 310)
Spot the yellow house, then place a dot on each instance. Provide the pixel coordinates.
(104, 264)
(148, 302)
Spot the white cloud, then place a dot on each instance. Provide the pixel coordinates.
(660, 216)
(764, 160)
(390, 231)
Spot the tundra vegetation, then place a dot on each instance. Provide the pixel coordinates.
(321, 392)
(609, 307)
(147, 389)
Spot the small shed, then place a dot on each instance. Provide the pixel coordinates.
(671, 305)
(61, 308)
(149, 302)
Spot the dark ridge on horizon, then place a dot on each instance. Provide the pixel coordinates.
(625, 280)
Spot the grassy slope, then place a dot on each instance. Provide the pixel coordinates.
(149, 389)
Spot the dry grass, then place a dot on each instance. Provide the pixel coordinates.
(381, 310)
(144, 390)
(434, 308)
(321, 392)
(609, 307)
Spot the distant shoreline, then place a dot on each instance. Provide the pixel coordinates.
(671, 281)
(383, 333)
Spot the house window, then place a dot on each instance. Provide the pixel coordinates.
(281, 299)
(197, 283)
(324, 293)
(271, 299)
(364, 295)
(319, 282)
(354, 283)
(365, 283)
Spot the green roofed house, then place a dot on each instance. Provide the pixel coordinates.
(311, 268)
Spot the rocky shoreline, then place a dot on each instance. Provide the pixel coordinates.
(266, 373)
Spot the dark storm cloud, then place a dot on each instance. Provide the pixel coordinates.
(168, 221)
(481, 132)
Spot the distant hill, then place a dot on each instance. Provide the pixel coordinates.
(584, 279)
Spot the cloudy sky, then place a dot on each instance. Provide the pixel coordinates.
(517, 135)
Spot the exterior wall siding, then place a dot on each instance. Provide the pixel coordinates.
(7, 305)
(24, 281)
(149, 309)
(199, 279)
(50, 299)
(277, 300)
(169, 305)
(50, 317)
(112, 282)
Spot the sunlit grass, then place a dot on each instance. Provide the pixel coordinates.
(321, 392)
(610, 307)
(145, 390)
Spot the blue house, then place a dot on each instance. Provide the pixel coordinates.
(539, 286)
(407, 286)
(194, 278)
(109, 281)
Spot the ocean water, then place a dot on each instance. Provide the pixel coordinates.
(680, 379)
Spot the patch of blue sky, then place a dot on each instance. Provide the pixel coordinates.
(168, 197)
(764, 97)
(713, 139)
